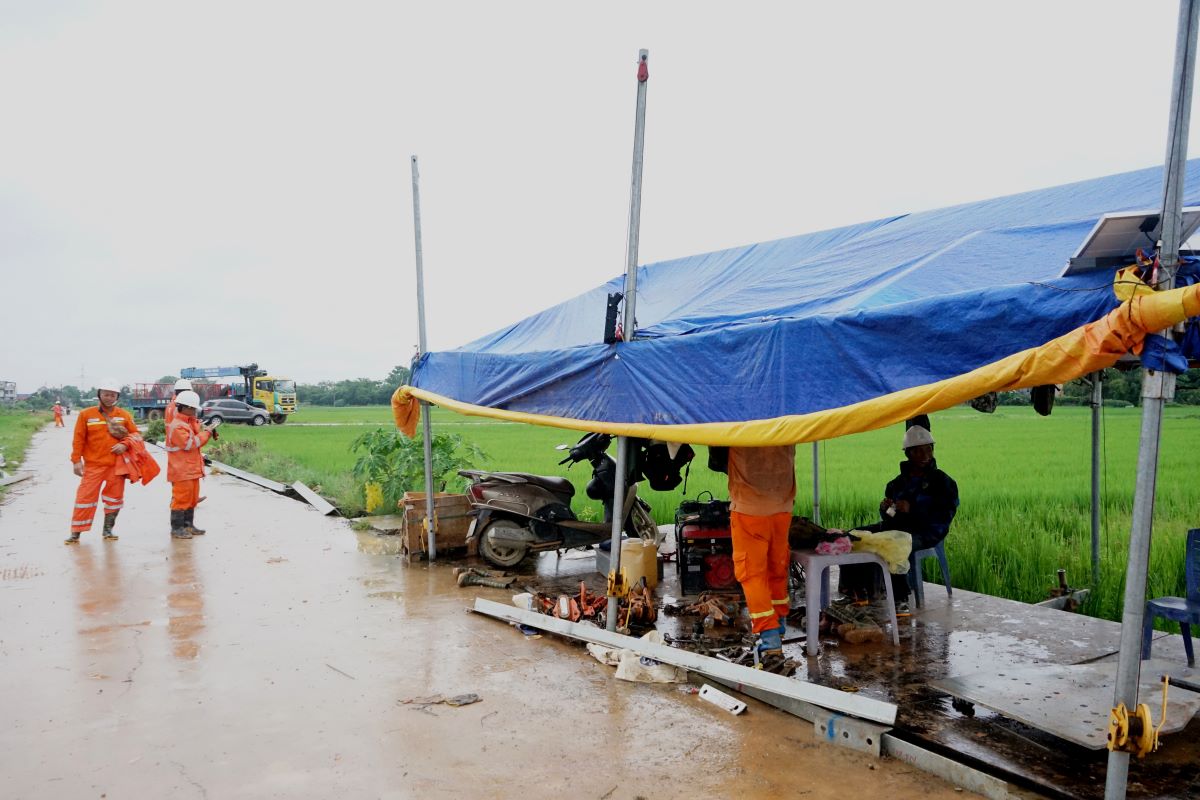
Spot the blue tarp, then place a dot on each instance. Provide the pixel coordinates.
(812, 322)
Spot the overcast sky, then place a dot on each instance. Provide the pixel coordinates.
(199, 184)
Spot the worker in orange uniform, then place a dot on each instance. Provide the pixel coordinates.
(185, 465)
(96, 448)
(58, 414)
(762, 494)
(181, 385)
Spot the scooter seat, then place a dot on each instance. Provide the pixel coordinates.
(560, 486)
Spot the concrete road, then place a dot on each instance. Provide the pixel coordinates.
(271, 657)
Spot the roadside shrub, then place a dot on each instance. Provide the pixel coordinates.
(392, 464)
(156, 431)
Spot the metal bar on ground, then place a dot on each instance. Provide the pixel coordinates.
(1157, 388)
(266, 483)
(426, 424)
(628, 324)
(731, 675)
(9, 480)
(315, 500)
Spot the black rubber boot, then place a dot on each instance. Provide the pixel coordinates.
(179, 525)
(110, 519)
(190, 522)
(72, 539)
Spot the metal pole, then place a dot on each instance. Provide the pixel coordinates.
(427, 426)
(1157, 388)
(816, 484)
(630, 319)
(1097, 401)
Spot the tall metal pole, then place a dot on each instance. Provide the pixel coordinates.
(816, 484)
(1157, 388)
(630, 319)
(427, 426)
(1097, 401)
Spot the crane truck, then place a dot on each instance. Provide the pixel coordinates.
(257, 388)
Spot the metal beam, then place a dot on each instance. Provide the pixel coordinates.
(732, 675)
(258, 480)
(315, 500)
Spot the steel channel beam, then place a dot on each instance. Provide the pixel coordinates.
(732, 675)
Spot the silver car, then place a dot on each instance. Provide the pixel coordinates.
(233, 411)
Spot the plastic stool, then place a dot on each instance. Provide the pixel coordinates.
(816, 590)
(916, 583)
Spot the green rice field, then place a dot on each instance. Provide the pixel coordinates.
(1024, 483)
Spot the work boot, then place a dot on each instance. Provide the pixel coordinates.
(190, 523)
(72, 539)
(110, 519)
(770, 642)
(179, 525)
(471, 579)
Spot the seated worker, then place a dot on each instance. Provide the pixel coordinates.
(921, 501)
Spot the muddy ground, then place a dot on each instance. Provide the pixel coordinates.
(271, 658)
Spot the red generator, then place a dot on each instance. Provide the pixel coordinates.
(704, 546)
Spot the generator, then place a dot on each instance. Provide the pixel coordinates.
(704, 546)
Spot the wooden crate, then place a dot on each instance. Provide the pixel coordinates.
(453, 522)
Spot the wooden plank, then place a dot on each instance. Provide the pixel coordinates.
(315, 500)
(266, 483)
(732, 675)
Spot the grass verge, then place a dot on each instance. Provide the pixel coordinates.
(16, 430)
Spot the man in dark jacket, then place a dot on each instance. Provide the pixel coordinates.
(922, 500)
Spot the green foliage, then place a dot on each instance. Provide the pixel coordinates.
(156, 431)
(17, 428)
(356, 392)
(396, 463)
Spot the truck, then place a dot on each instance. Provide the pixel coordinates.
(149, 400)
(257, 388)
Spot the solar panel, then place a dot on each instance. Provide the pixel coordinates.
(1116, 238)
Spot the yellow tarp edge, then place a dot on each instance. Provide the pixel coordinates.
(1086, 349)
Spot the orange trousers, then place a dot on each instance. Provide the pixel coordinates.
(760, 563)
(112, 494)
(58, 423)
(185, 494)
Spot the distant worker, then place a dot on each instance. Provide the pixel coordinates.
(181, 385)
(922, 501)
(762, 493)
(58, 414)
(185, 465)
(96, 448)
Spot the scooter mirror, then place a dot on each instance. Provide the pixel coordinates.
(562, 447)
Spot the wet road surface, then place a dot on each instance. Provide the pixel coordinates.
(271, 657)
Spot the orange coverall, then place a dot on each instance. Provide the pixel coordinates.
(58, 414)
(92, 444)
(762, 493)
(185, 464)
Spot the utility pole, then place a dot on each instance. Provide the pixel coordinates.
(427, 426)
(629, 320)
(1158, 386)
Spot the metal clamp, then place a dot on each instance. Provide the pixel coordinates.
(1136, 733)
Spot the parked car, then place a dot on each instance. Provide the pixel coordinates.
(234, 411)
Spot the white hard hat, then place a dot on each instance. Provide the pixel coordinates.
(916, 436)
(183, 384)
(188, 398)
(108, 385)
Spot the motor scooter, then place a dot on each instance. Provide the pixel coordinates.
(516, 513)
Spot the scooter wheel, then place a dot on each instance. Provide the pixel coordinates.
(503, 557)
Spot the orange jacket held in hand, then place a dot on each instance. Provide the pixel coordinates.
(93, 443)
(185, 437)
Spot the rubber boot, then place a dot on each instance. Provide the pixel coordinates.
(72, 539)
(770, 642)
(179, 525)
(110, 519)
(190, 521)
(471, 579)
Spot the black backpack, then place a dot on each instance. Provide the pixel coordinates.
(660, 470)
